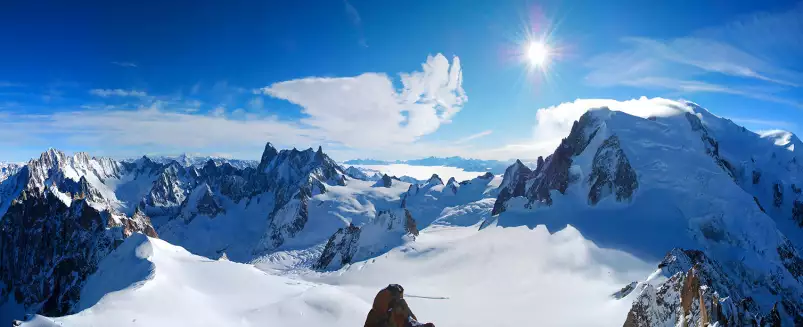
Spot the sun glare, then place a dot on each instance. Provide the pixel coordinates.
(537, 53)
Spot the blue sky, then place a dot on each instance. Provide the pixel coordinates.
(390, 80)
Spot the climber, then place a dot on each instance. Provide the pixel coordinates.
(391, 310)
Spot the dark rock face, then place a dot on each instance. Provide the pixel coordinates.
(711, 145)
(207, 204)
(756, 177)
(267, 156)
(625, 291)
(344, 242)
(611, 173)
(797, 212)
(409, 224)
(47, 249)
(288, 220)
(555, 172)
(386, 181)
(777, 194)
(513, 184)
(791, 260)
(759, 205)
(551, 173)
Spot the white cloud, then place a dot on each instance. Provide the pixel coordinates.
(367, 111)
(124, 64)
(473, 137)
(105, 93)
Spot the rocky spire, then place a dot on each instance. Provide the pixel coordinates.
(319, 154)
(267, 156)
(513, 185)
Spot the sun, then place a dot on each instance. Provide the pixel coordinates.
(537, 53)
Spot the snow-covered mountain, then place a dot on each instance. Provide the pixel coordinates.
(674, 219)
(60, 218)
(468, 164)
(723, 199)
(84, 207)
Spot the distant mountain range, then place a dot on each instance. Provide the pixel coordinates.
(198, 161)
(467, 164)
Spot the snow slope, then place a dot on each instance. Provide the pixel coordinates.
(148, 282)
(502, 276)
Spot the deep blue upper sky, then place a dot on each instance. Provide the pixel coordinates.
(122, 79)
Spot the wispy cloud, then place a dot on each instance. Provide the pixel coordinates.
(10, 84)
(766, 123)
(356, 20)
(124, 64)
(714, 60)
(473, 137)
(105, 93)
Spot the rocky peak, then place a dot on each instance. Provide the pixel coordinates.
(452, 185)
(435, 180)
(50, 158)
(513, 185)
(386, 181)
(319, 156)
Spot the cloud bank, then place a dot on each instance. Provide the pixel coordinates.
(345, 114)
